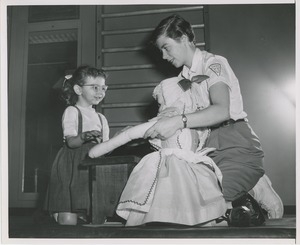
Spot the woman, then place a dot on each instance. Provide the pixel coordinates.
(239, 154)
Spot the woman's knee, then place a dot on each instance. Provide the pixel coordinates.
(239, 181)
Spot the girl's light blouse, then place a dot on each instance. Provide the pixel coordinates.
(90, 121)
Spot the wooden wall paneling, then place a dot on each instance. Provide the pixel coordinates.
(87, 35)
(206, 29)
(99, 44)
(52, 13)
(134, 69)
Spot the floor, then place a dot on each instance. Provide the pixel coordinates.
(28, 226)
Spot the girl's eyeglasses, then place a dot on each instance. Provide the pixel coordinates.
(96, 87)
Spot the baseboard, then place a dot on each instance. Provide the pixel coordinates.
(21, 211)
(288, 210)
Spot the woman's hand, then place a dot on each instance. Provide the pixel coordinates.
(168, 112)
(166, 124)
(164, 128)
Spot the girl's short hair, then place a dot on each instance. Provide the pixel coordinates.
(173, 27)
(79, 77)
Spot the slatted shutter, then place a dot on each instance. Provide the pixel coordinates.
(134, 68)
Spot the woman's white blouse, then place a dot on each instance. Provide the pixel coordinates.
(218, 70)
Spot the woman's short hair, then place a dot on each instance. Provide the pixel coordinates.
(173, 27)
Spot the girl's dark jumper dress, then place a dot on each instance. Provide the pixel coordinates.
(69, 185)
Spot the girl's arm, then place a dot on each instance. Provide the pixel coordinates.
(70, 126)
(216, 113)
(74, 141)
(77, 141)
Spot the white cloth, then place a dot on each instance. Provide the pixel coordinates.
(173, 96)
(218, 70)
(124, 137)
(90, 121)
(174, 185)
(169, 94)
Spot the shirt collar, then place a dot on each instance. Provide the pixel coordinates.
(89, 108)
(196, 65)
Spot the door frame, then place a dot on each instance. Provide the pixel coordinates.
(20, 29)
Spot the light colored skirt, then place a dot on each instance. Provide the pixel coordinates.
(173, 186)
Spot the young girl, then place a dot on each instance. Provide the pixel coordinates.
(68, 192)
(176, 184)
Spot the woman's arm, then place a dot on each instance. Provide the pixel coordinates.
(216, 113)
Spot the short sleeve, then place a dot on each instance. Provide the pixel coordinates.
(217, 70)
(70, 122)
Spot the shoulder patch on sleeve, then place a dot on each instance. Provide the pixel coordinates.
(216, 68)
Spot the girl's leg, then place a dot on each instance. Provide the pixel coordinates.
(67, 218)
(132, 133)
(55, 216)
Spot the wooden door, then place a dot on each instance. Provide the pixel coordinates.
(46, 43)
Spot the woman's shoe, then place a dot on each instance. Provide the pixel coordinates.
(246, 212)
(267, 197)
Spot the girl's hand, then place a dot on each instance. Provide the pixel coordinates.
(78, 140)
(90, 135)
(164, 128)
